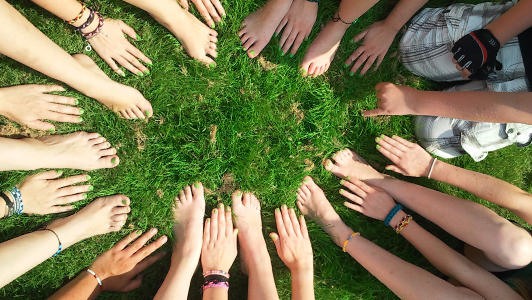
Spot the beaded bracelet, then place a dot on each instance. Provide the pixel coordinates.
(95, 276)
(17, 196)
(9, 205)
(60, 244)
(80, 15)
(401, 225)
(348, 239)
(216, 272)
(392, 214)
(336, 19)
(88, 22)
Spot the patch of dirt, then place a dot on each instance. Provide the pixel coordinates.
(266, 65)
(212, 134)
(160, 193)
(140, 138)
(297, 112)
(310, 165)
(184, 70)
(229, 183)
(12, 131)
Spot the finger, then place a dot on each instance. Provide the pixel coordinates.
(281, 26)
(64, 182)
(394, 158)
(128, 239)
(290, 41)
(204, 13)
(109, 60)
(303, 226)
(403, 141)
(286, 220)
(145, 251)
(458, 67)
(59, 117)
(127, 30)
(393, 143)
(135, 62)
(354, 188)
(60, 99)
(221, 221)
(375, 112)
(295, 222)
(354, 207)
(139, 55)
(184, 4)
(360, 36)
(362, 185)
(286, 33)
(297, 43)
(41, 125)
(395, 169)
(207, 232)
(228, 221)
(360, 60)
(134, 283)
(146, 262)
(466, 73)
(73, 190)
(280, 223)
(61, 209)
(368, 64)
(48, 175)
(214, 224)
(71, 198)
(277, 242)
(139, 243)
(126, 64)
(454, 61)
(212, 11)
(44, 88)
(352, 197)
(219, 8)
(379, 61)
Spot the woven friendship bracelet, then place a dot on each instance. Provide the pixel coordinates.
(80, 15)
(60, 244)
(96, 31)
(88, 22)
(95, 276)
(209, 285)
(17, 196)
(9, 205)
(401, 225)
(349, 239)
(338, 18)
(392, 214)
(216, 272)
(214, 280)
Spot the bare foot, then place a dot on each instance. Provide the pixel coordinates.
(44, 193)
(79, 150)
(197, 39)
(258, 27)
(297, 25)
(321, 52)
(188, 214)
(118, 97)
(349, 163)
(312, 202)
(101, 216)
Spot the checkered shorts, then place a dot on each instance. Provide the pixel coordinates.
(426, 51)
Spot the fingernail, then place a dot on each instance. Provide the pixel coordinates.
(139, 73)
(138, 232)
(292, 209)
(154, 230)
(351, 40)
(284, 206)
(84, 196)
(91, 188)
(138, 37)
(382, 136)
(124, 201)
(197, 185)
(394, 136)
(228, 208)
(147, 113)
(164, 239)
(378, 146)
(360, 75)
(51, 130)
(223, 16)
(212, 65)
(220, 205)
(244, 48)
(348, 177)
(388, 168)
(147, 72)
(81, 111)
(252, 52)
(222, 22)
(276, 35)
(80, 119)
(345, 203)
(122, 74)
(150, 63)
(215, 211)
(208, 220)
(212, 26)
(306, 38)
(59, 171)
(279, 47)
(282, 53)
(272, 235)
(277, 209)
(351, 74)
(377, 139)
(76, 102)
(89, 177)
(328, 163)
(305, 180)
(236, 231)
(239, 194)
(341, 191)
(291, 55)
(345, 66)
(342, 181)
(113, 160)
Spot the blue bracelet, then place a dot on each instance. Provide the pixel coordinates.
(392, 214)
(17, 196)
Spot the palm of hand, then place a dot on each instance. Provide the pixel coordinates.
(296, 253)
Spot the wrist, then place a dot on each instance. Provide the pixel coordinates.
(302, 272)
(392, 24)
(397, 218)
(83, 19)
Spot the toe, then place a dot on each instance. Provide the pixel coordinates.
(237, 198)
(97, 140)
(246, 199)
(102, 146)
(109, 161)
(182, 197)
(118, 201)
(328, 164)
(93, 136)
(197, 190)
(188, 192)
(107, 152)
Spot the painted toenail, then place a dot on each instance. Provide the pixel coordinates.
(196, 185)
(305, 180)
(348, 177)
(284, 206)
(277, 209)
(122, 74)
(239, 194)
(282, 53)
(273, 236)
(150, 63)
(341, 191)
(76, 102)
(59, 171)
(377, 139)
(125, 217)
(91, 188)
(223, 16)
(388, 168)
(113, 160)
(85, 196)
(81, 111)
(222, 23)
(280, 48)
(138, 37)
(236, 231)
(378, 146)
(208, 220)
(80, 119)
(244, 48)
(342, 181)
(147, 113)
(215, 211)
(292, 209)
(252, 52)
(89, 177)
(153, 230)
(394, 136)
(351, 74)
(147, 72)
(351, 40)
(124, 201)
(138, 232)
(306, 38)
(382, 136)
(220, 205)
(228, 208)
(212, 26)
(212, 65)
(140, 73)
(51, 130)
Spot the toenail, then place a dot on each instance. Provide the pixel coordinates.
(212, 65)
(59, 171)
(305, 180)
(220, 205)
(239, 194)
(113, 160)
(91, 188)
(153, 230)
(348, 177)
(284, 206)
(236, 231)
(222, 23)
(244, 48)
(80, 119)
(382, 136)
(279, 47)
(394, 136)
(51, 130)
(252, 52)
(282, 53)
(197, 185)
(76, 102)
(81, 111)
(351, 40)
(351, 74)
(150, 63)
(212, 26)
(378, 146)
(208, 220)
(277, 209)
(138, 232)
(345, 66)
(377, 139)
(147, 72)
(164, 239)
(147, 113)
(140, 73)
(306, 38)
(88, 177)
(345, 203)
(292, 209)
(223, 16)
(388, 168)
(84, 196)
(215, 211)
(228, 208)
(272, 235)
(124, 201)
(125, 217)
(122, 73)
(342, 181)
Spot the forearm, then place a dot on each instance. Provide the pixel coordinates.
(84, 286)
(476, 106)
(513, 22)
(177, 281)
(302, 284)
(402, 12)
(486, 187)
(350, 10)
(68, 10)
(457, 266)
(24, 154)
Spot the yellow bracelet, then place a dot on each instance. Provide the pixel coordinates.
(403, 224)
(349, 238)
(78, 17)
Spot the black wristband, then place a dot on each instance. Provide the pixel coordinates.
(215, 278)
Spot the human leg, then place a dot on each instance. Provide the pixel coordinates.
(253, 247)
(188, 215)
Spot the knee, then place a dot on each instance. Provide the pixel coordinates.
(437, 136)
(515, 247)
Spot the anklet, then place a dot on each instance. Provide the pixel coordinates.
(80, 15)
(392, 214)
(95, 276)
(348, 239)
(401, 225)
(60, 245)
(216, 272)
(10, 206)
(432, 167)
(17, 196)
(336, 19)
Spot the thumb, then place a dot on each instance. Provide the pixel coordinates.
(134, 283)
(49, 175)
(40, 125)
(127, 30)
(277, 241)
(396, 169)
(360, 36)
(374, 112)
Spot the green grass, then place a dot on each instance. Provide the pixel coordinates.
(273, 128)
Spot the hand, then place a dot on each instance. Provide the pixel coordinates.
(28, 104)
(112, 46)
(293, 243)
(373, 202)
(219, 241)
(45, 194)
(475, 54)
(119, 266)
(394, 100)
(297, 24)
(409, 158)
(209, 10)
(377, 40)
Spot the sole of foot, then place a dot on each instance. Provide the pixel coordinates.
(258, 27)
(321, 51)
(101, 216)
(347, 163)
(79, 150)
(189, 212)
(118, 97)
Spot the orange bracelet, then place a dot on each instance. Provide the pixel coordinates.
(401, 225)
(80, 15)
(348, 239)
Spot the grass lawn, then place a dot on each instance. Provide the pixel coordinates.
(251, 124)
